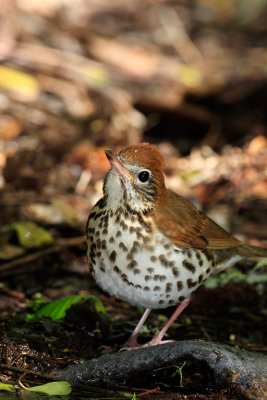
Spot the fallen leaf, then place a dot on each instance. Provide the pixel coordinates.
(24, 87)
(10, 127)
(31, 235)
(60, 388)
(7, 388)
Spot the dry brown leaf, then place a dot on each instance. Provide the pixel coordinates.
(10, 127)
(257, 144)
(89, 157)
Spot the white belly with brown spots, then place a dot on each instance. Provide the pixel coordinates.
(133, 262)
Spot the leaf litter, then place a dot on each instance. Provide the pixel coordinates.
(76, 79)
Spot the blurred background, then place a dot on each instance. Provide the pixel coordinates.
(77, 77)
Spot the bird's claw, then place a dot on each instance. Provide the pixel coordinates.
(153, 342)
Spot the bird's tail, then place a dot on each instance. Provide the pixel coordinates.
(250, 251)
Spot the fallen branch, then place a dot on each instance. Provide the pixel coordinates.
(241, 371)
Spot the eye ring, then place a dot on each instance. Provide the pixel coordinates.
(143, 176)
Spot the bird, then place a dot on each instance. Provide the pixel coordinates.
(149, 246)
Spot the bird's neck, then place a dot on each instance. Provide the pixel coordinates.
(123, 201)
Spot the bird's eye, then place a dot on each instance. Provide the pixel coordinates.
(144, 176)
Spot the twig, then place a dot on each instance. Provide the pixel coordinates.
(149, 391)
(60, 243)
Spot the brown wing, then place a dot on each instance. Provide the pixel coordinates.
(187, 227)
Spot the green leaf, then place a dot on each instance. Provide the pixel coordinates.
(97, 304)
(60, 388)
(31, 235)
(132, 396)
(57, 309)
(36, 303)
(231, 275)
(6, 387)
(256, 278)
(261, 264)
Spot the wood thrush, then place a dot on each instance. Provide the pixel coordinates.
(149, 246)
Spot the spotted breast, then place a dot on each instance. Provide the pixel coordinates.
(133, 261)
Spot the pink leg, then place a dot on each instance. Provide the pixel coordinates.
(132, 341)
(158, 338)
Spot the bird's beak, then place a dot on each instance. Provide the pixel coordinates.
(117, 164)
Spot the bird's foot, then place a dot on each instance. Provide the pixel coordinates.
(131, 344)
(156, 341)
(134, 345)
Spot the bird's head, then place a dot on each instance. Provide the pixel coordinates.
(135, 178)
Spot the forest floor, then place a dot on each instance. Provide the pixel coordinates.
(77, 79)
